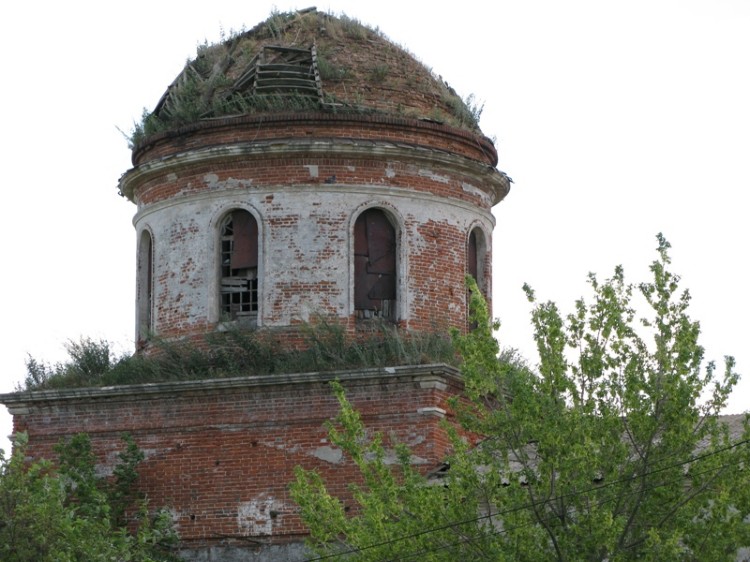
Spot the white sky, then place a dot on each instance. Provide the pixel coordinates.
(616, 120)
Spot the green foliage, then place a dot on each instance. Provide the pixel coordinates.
(238, 104)
(276, 23)
(208, 85)
(379, 72)
(610, 449)
(466, 111)
(238, 352)
(343, 26)
(89, 360)
(121, 490)
(394, 503)
(353, 28)
(331, 72)
(147, 126)
(66, 513)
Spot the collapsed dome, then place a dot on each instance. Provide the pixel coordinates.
(306, 61)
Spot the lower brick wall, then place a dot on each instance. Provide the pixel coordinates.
(220, 453)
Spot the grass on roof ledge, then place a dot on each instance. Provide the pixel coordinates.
(93, 363)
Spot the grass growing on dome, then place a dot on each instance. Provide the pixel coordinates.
(233, 353)
(331, 71)
(211, 85)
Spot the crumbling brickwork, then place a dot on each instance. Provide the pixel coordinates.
(220, 454)
(350, 127)
(305, 181)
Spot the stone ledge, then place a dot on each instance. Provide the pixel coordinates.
(291, 552)
(433, 411)
(429, 376)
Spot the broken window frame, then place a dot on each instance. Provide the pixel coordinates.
(238, 267)
(375, 266)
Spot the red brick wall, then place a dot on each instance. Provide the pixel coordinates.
(220, 454)
(259, 171)
(258, 128)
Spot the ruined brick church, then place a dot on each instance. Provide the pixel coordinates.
(305, 168)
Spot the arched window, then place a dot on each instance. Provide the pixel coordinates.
(475, 258)
(145, 286)
(374, 266)
(239, 266)
(473, 264)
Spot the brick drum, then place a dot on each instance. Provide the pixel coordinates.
(435, 184)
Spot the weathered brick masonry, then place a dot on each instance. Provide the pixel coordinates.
(306, 192)
(220, 453)
(319, 170)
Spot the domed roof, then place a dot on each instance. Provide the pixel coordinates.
(306, 61)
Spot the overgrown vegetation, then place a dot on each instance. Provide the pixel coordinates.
(612, 448)
(237, 353)
(211, 86)
(332, 72)
(379, 72)
(468, 111)
(65, 512)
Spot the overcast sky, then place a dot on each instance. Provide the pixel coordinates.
(616, 120)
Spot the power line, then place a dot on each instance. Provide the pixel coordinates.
(549, 519)
(542, 502)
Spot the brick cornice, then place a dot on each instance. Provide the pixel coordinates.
(496, 183)
(260, 125)
(428, 376)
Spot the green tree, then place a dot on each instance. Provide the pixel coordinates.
(64, 512)
(610, 449)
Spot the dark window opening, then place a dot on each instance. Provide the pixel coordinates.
(145, 287)
(374, 266)
(239, 266)
(473, 265)
(476, 258)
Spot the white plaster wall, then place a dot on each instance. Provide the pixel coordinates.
(305, 242)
